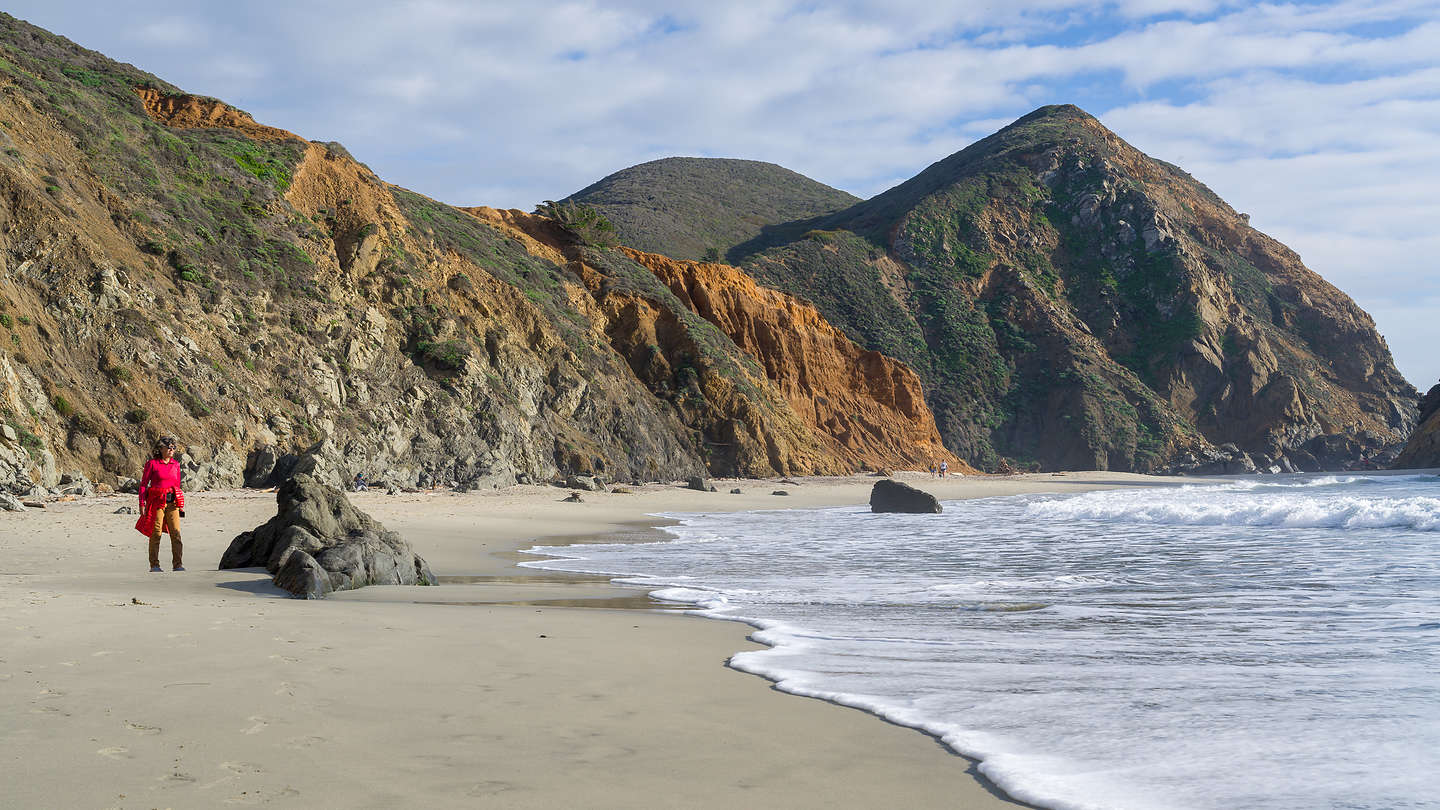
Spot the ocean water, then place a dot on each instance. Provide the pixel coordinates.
(1267, 643)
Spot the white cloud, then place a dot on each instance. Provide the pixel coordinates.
(171, 32)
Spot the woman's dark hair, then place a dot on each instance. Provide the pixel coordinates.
(160, 444)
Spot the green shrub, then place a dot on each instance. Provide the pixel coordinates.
(62, 407)
(6, 321)
(445, 355)
(136, 416)
(586, 224)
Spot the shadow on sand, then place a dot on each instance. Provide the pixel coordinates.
(258, 587)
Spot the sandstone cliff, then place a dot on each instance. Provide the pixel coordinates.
(816, 402)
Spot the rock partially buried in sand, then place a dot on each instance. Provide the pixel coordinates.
(317, 543)
(893, 496)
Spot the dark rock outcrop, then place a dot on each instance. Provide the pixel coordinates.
(1423, 449)
(893, 496)
(318, 542)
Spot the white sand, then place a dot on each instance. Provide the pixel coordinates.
(216, 689)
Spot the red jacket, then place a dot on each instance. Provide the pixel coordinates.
(156, 483)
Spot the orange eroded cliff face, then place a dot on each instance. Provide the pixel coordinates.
(198, 112)
(868, 406)
(855, 408)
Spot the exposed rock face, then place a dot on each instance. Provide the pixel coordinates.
(318, 542)
(867, 408)
(1069, 302)
(812, 401)
(894, 496)
(185, 111)
(179, 270)
(1423, 449)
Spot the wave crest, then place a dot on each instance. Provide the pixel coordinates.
(1293, 511)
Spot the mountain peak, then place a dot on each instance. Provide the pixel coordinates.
(693, 208)
(1055, 112)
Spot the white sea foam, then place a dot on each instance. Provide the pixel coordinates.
(1197, 507)
(1124, 649)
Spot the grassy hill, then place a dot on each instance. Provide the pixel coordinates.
(701, 208)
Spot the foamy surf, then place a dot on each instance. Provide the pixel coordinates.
(1266, 645)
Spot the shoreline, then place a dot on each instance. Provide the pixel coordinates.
(199, 688)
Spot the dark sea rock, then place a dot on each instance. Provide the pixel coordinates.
(893, 496)
(318, 542)
(699, 484)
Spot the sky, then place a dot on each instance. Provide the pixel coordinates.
(1319, 119)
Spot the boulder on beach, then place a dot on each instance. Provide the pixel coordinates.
(318, 542)
(893, 496)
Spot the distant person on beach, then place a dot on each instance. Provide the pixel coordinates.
(933, 469)
(944, 468)
(359, 484)
(162, 503)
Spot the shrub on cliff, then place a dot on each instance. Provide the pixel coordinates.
(586, 224)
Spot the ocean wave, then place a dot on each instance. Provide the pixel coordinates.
(1418, 513)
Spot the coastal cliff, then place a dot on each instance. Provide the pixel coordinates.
(1423, 449)
(1069, 302)
(818, 403)
(170, 266)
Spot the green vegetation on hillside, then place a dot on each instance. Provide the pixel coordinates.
(702, 208)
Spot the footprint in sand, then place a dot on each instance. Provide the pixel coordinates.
(101, 653)
(258, 725)
(285, 689)
(287, 659)
(49, 694)
(300, 743)
(139, 728)
(242, 767)
(489, 788)
(117, 752)
(176, 779)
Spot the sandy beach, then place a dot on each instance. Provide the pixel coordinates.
(126, 689)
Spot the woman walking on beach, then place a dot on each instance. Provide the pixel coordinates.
(162, 503)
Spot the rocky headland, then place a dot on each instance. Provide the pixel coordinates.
(1069, 302)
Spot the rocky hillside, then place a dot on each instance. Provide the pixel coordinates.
(863, 409)
(701, 208)
(1069, 302)
(1423, 449)
(170, 266)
